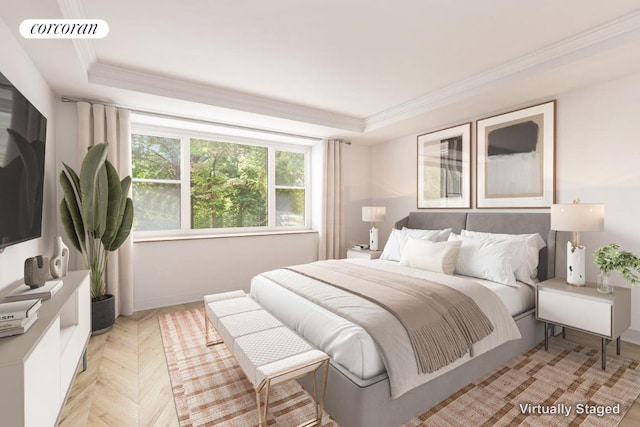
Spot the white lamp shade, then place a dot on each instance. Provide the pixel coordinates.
(577, 217)
(373, 213)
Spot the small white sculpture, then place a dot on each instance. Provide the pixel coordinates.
(59, 264)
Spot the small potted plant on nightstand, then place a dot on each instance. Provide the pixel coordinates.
(610, 258)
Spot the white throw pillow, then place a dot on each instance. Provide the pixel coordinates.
(398, 238)
(391, 251)
(432, 235)
(486, 259)
(439, 257)
(526, 258)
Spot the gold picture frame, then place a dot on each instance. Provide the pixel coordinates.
(516, 158)
(444, 168)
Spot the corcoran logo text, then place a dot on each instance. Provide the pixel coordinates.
(64, 28)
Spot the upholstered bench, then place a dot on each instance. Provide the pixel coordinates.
(268, 352)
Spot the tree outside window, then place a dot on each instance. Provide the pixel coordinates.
(182, 183)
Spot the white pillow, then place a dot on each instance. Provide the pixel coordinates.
(526, 258)
(486, 259)
(432, 235)
(398, 238)
(439, 257)
(391, 251)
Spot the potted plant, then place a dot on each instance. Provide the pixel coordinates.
(610, 258)
(97, 215)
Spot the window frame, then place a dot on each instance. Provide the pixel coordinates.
(185, 135)
(272, 190)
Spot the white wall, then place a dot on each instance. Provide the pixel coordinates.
(18, 68)
(597, 160)
(356, 192)
(394, 183)
(597, 154)
(67, 152)
(181, 271)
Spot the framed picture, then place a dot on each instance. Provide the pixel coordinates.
(444, 168)
(515, 160)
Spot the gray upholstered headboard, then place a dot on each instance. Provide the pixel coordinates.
(492, 222)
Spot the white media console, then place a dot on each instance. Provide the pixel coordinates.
(38, 367)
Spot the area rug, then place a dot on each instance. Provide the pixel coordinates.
(560, 387)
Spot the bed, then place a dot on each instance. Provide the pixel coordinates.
(359, 391)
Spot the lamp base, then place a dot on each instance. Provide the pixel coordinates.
(373, 239)
(575, 264)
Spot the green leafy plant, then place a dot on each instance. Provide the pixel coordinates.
(611, 258)
(96, 212)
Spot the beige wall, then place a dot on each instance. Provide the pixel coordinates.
(597, 160)
(597, 154)
(356, 192)
(18, 68)
(180, 271)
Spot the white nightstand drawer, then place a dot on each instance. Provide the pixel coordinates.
(588, 314)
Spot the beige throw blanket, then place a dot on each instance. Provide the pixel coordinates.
(441, 322)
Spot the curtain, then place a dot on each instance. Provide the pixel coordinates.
(98, 123)
(332, 221)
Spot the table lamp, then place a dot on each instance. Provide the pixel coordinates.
(577, 217)
(373, 214)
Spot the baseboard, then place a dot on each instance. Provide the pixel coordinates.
(632, 336)
(167, 301)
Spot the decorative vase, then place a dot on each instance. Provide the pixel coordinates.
(36, 271)
(59, 264)
(603, 283)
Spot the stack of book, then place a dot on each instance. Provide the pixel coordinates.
(24, 292)
(17, 317)
(360, 247)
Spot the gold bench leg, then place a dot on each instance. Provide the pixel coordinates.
(318, 400)
(262, 412)
(258, 408)
(315, 395)
(266, 401)
(324, 388)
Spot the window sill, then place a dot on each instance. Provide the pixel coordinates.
(146, 239)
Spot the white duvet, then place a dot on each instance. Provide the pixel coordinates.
(350, 346)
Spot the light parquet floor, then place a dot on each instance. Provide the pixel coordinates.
(127, 381)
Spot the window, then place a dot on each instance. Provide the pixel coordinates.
(228, 185)
(290, 188)
(156, 174)
(183, 181)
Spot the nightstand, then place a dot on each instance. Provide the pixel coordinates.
(364, 253)
(585, 309)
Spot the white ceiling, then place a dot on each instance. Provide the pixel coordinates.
(360, 69)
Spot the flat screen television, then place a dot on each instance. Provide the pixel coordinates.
(23, 132)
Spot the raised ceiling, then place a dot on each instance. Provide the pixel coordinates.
(364, 70)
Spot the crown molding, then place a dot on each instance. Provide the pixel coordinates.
(72, 9)
(140, 81)
(594, 40)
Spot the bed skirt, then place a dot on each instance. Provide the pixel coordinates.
(354, 406)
